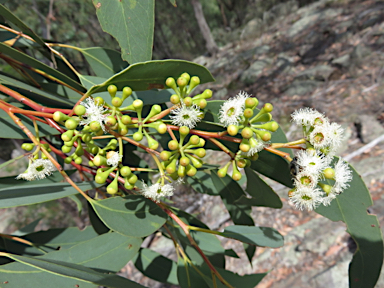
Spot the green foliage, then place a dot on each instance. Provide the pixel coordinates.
(126, 210)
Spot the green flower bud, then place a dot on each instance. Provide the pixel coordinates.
(95, 126)
(156, 109)
(202, 103)
(116, 101)
(69, 143)
(188, 101)
(184, 161)
(254, 157)
(59, 116)
(251, 103)
(232, 130)
(79, 150)
(113, 187)
(170, 82)
(110, 121)
(66, 149)
(329, 173)
(67, 136)
(171, 168)
(241, 163)
(181, 171)
(78, 160)
(173, 145)
(99, 101)
(128, 185)
(248, 113)
(182, 82)
(264, 135)
(68, 160)
(161, 128)
(137, 136)
(196, 162)
(186, 76)
(247, 133)
(152, 143)
(126, 119)
(90, 163)
(79, 110)
(271, 126)
(184, 130)
(27, 146)
(194, 140)
(137, 105)
(127, 91)
(125, 171)
(100, 160)
(193, 83)
(112, 89)
(132, 179)
(123, 130)
(165, 155)
(266, 117)
(71, 124)
(86, 138)
(175, 99)
(191, 171)
(201, 152)
(244, 145)
(101, 178)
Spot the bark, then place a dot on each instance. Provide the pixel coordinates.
(210, 43)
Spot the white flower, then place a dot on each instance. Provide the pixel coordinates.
(232, 110)
(343, 175)
(306, 197)
(37, 169)
(306, 116)
(310, 162)
(186, 116)
(93, 112)
(328, 199)
(319, 137)
(114, 158)
(256, 146)
(156, 191)
(306, 179)
(335, 134)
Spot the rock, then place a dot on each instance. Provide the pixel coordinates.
(253, 72)
(281, 9)
(301, 87)
(370, 128)
(253, 29)
(310, 20)
(344, 61)
(319, 73)
(221, 94)
(249, 54)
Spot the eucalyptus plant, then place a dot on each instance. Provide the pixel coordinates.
(93, 125)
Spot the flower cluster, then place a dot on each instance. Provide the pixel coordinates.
(317, 180)
(156, 191)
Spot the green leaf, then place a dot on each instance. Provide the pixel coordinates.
(132, 215)
(27, 60)
(79, 204)
(188, 277)
(260, 236)
(262, 194)
(156, 266)
(202, 182)
(36, 94)
(173, 2)
(103, 61)
(244, 281)
(9, 129)
(152, 75)
(131, 23)
(48, 241)
(88, 261)
(97, 224)
(29, 228)
(34, 192)
(9, 16)
(231, 253)
(351, 208)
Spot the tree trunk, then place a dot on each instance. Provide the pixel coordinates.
(210, 43)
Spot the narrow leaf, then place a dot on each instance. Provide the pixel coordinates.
(260, 236)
